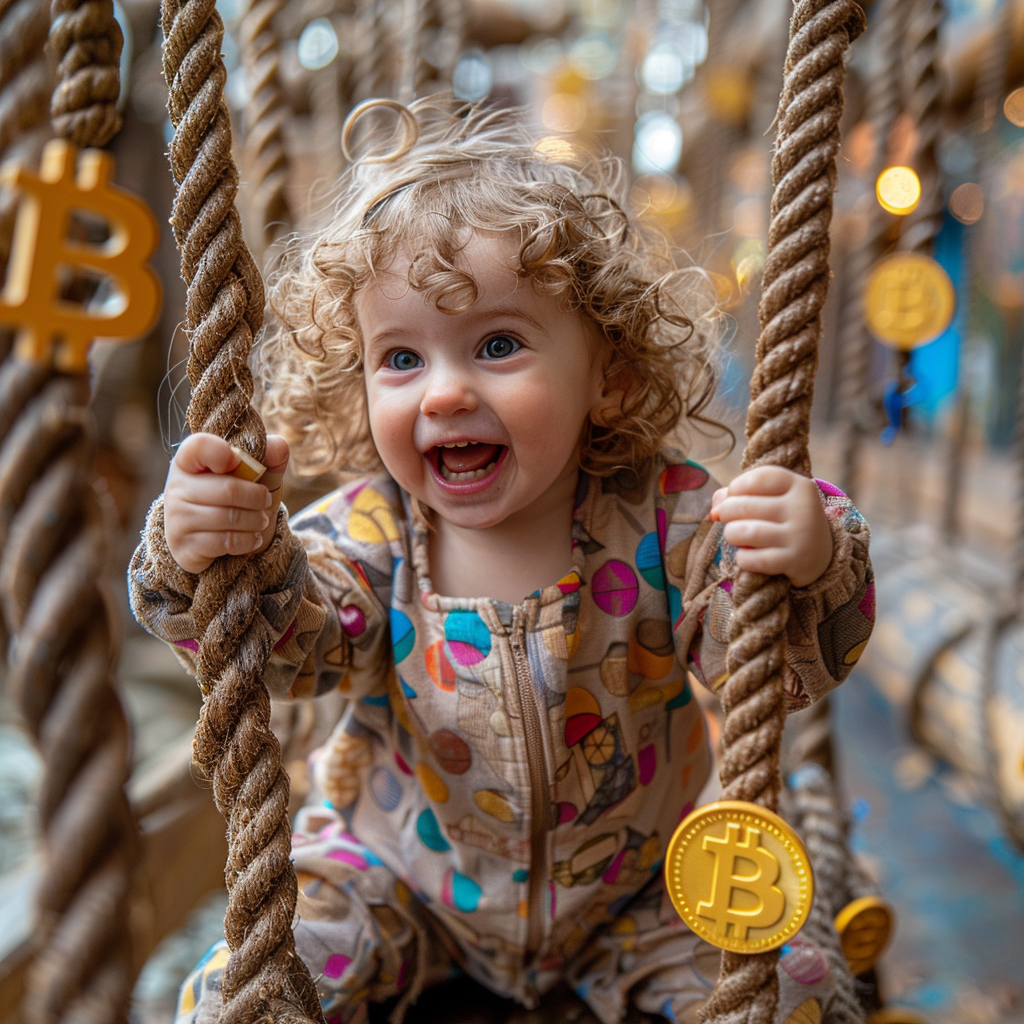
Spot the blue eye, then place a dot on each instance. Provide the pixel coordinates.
(403, 359)
(501, 346)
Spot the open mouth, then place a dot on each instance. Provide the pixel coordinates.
(464, 462)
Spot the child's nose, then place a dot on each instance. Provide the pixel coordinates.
(448, 392)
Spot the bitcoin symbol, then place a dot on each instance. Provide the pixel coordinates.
(909, 300)
(771, 901)
(49, 328)
(738, 875)
(864, 928)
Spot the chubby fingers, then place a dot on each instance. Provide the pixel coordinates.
(770, 561)
(205, 453)
(765, 480)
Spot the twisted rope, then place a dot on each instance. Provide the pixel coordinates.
(416, 17)
(810, 736)
(371, 72)
(988, 92)
(234, 743)
(823, 830)
(263, 154)
(452, 18)
(884, 105)
(53, 548)
(25, 87)
(53, 539)
(87, 41)
(707, 173)
(793, 292)
(924, 104)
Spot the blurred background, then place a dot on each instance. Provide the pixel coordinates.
(924, 429)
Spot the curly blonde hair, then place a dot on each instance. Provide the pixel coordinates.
(462, 169)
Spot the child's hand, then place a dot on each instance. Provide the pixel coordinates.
(208, 513)
(776, 519)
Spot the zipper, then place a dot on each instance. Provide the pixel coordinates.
(539, 797)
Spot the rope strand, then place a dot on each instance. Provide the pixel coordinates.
(54, 539)
(263, 154)
(793, 292)
(234, 744)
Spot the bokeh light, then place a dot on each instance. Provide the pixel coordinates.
(663, 71)
(658, 143)
(593, 56)
(472, 78)
(551, 147)
(750, 218)
(729, 94)
(748, 262)
(1013, 107)
(967, 203)
(318, 45)
(542, 54)
(898, 189)
(563, 112)
(663, 199)
(859, 146)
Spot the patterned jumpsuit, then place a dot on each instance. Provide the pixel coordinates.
(499, 793)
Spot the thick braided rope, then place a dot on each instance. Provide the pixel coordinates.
(264, 157)
(988, 92)
(87, 41)
(706, 173)
(53, 552)
(53, 549)
(372, 71)
(452, 32)
(793, 292)
(823, 830)
(233, 743)
(884, 106)
(924, 103)
(416, 18)
(26, 83)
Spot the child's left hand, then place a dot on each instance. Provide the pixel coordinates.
(776, 520)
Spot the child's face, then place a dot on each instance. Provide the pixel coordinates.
(515, 375)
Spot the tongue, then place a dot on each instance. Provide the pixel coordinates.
(473, 456)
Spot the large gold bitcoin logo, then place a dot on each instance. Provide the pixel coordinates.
(49, 328)
(738, 875)
(728, 854)
(909, 300)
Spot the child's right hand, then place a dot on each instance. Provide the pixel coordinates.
(208, 512)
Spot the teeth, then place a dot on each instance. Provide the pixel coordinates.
(457, 444)
(462, 478)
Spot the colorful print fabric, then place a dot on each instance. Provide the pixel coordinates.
(519, 769)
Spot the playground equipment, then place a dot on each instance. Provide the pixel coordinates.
(235, 745)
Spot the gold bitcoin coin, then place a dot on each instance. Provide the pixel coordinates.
(739, 876)
(808, 1012)
(895, 1016)
(909, 299)
(864, 927)
(49, 329)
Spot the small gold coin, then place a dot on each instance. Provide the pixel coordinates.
(808, 1012)
(865, 927)
(909, 299)
(898, 1015)
(739, 876)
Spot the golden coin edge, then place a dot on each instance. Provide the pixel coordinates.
(849, 914)
(771, 822)
(900, 339)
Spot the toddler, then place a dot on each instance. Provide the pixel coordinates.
(518, 587)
